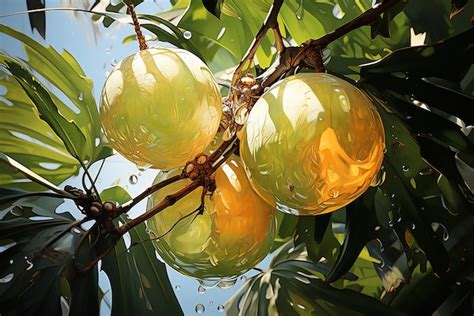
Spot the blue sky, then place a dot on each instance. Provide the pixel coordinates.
(97, 48)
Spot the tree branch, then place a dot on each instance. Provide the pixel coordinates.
(270, 22)
(167, 201)
(127, 206)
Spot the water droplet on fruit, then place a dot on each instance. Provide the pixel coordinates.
(405, 168)
(201, 289)
(143, 168)
(133, 179)
(177, 287)
(300, 11)
(221, 308)
(226, 283)
(199, 308)
(81, 96)
(187, 35)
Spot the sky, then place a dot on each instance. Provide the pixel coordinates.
(97, 48)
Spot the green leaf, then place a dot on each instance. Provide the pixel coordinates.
(64, 73)
(293, 288)
(68, 131)
(41, 251)
(360, 228)
(25, 137)
(213, 6)
(457, 6)
(138, 279)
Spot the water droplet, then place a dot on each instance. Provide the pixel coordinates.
(143, 168)
(211, 303)
(221, 308)
(187, 35)
(300, 11)
(226, 283)
(405, 168)
(303, 279)
(337, 12)
(199, 308)
(114, 62)
(108, 50)
(11, 261)
(399, 220)
(133, 179)
(177, 287)
(458, 283)
(390, 223)
(7, 278)
(81, 96)
(201, 289)
(30, 265)
(407, 75)
(426, 172)
(413, 226)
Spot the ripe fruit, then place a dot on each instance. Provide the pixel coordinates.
(160, 107)
(233, 234)
(312, 144)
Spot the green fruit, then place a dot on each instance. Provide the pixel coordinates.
(160, 107)
(312, 144)
(234, 233)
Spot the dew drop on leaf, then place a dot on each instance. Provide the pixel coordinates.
(187, 35)
(7, 278)
(199, 308)
(133, 179)
(81, 96)
(405, 168)
(300, 11)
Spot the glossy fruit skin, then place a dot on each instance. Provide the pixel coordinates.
(160, 107)
(312, 144)
(234, 233)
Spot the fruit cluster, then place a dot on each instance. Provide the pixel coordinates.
(311, 144)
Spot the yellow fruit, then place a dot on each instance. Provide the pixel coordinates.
(160, 107)
(312, 144)
(234, 233)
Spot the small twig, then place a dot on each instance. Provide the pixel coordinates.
(168, 231)
(127, 206)
(140, 38)
(270, 22)
(278, 39)
(167, 201)
(365, 18)
(100, 170)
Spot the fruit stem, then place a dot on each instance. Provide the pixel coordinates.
(140, 38)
